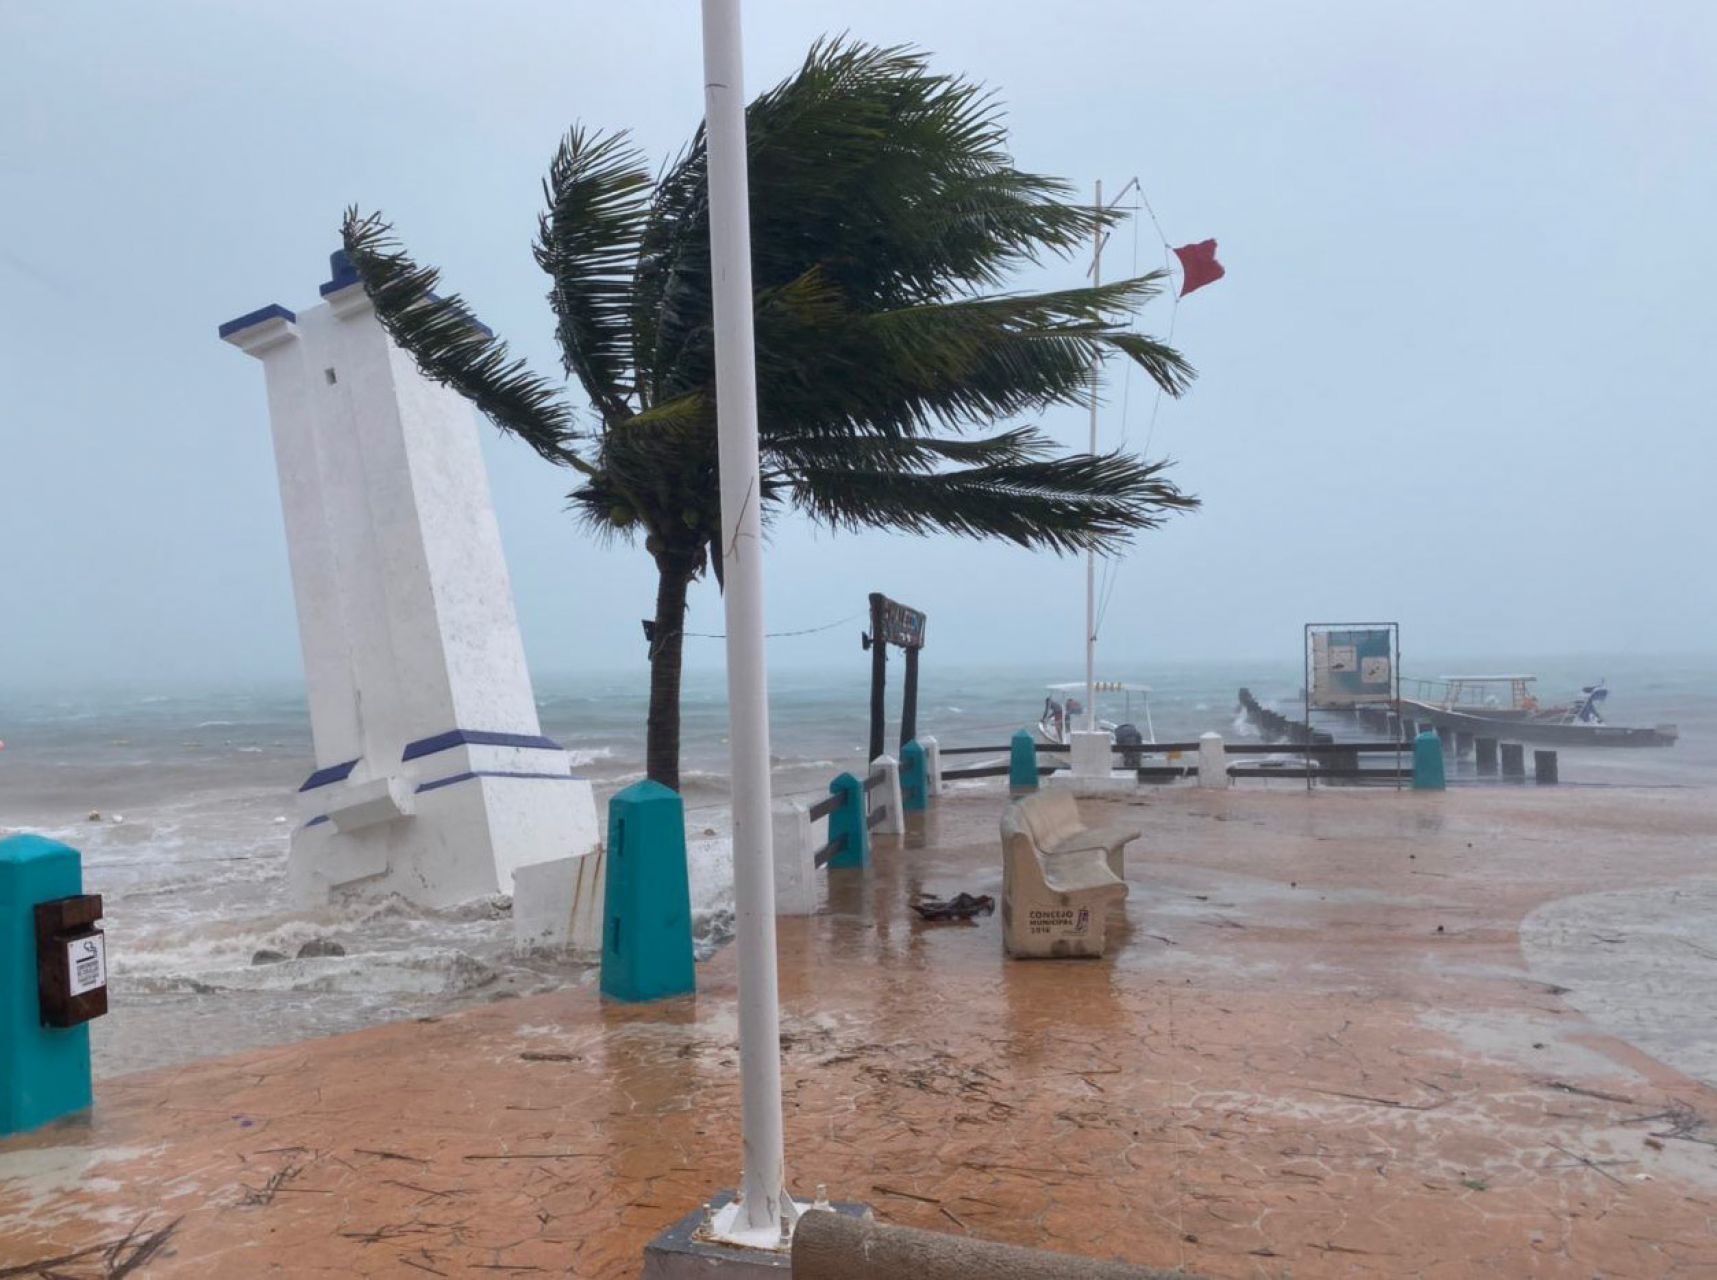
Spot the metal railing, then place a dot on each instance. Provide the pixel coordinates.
(1319, 759)
(834, 847)
(832, 804)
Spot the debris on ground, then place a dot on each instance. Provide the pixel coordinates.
(962, 906)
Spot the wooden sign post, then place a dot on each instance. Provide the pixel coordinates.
(896, 624)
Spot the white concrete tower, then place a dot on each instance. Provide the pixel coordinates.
(433, 779)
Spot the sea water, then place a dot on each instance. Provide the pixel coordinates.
(181, 800)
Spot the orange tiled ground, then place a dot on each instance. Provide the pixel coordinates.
(1316, 1052)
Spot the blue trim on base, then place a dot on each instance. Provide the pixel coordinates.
(491, 773)
(272, 311)
(476, 738)
(333, 773)
(456, 778)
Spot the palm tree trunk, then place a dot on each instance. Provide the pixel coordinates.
(662, 734)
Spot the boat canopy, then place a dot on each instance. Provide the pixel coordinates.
(1485, 679)
(1103, 686)
(1455, 692)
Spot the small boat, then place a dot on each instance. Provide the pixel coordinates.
(1506, 706)
(1063, 713)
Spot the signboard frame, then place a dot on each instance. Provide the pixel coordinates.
(903, 626)
(1390, 699)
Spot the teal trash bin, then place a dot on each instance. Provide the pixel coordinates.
(914, 778)
(850, 821)
(1428, 762)
(1022, 762)
(44, 1071)
(647, 914)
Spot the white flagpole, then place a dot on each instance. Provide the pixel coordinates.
(1091, 556)
(763, 1215)
(1096, 274)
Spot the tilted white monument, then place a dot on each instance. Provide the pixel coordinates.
(433, 778)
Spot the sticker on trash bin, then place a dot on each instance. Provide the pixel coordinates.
(1059, 920)
(87, 960)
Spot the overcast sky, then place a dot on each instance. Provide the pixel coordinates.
(1460, 373)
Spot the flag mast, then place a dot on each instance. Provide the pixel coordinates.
(1098, 236)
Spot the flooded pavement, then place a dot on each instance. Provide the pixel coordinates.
(1318, 1046)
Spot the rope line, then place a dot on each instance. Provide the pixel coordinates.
(778, 635)
(1112, 564)
(1174, 307)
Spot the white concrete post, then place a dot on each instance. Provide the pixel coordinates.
(1212, 762)
(886, 797)
(1092, 757)
(763, 1213)
(933, 764)
(796, 844)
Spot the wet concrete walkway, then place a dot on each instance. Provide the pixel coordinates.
(1317, 1051)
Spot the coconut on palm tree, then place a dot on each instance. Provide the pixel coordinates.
(885, 216)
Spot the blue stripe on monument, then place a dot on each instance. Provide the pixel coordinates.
(491, 773)
(333, 773)
(476, 738)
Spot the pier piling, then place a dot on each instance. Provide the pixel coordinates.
(1513, 760)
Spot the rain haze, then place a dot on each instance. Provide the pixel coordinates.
(1458, 374)
(1256, 946)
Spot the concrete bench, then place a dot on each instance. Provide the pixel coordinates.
(1054, 904)
(1053, 819)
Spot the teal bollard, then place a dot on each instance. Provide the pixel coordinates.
(914, 778)
(44, 1071)
(647, 916)
(1428, 762)
(1022, 762)
(851, 821)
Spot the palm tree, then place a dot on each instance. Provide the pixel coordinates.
(885, 214)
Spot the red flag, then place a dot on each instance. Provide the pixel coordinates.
(1198, 266)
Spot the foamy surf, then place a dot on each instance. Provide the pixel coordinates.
(195, 796)
(422, 971)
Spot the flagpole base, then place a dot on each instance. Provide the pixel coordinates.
(712, 1243)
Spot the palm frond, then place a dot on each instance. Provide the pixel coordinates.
(955, 364)
(1075, 503)
(1167, 367)
(922, 454)
(891, 180)
(452, 347)
(598, 196)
